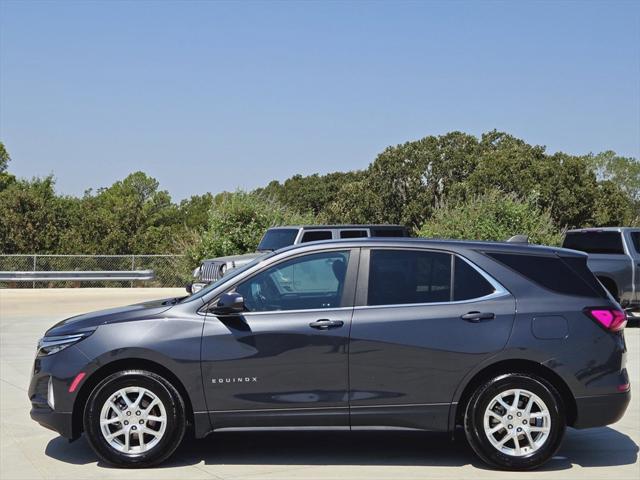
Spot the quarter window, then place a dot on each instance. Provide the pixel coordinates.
(468, 283)
(311, 282)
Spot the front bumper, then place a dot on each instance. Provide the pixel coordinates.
(601, 410)
(59, 369)
(57, 421)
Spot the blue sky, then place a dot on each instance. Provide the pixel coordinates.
(210, 96)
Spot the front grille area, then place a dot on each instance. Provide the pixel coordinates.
(39, 397)
(210, 271)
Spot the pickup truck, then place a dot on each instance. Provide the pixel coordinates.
(614, 257)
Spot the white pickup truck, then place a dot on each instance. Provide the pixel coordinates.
(614, 257)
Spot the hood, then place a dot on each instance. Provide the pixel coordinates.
(235, 259)
(89, 321)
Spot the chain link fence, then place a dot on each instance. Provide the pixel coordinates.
(170, 270)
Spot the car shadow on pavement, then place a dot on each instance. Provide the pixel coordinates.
(588, 448)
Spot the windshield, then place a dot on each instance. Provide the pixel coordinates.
(276, 238)
(231, 274)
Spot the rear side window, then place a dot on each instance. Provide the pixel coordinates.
(353, 234)
(550, 272)
(468, 283)
(409, 276)
(594, 242)
(399, 277)
(316, 235)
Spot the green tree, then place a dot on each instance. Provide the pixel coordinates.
(492, 216)
(237, 222)
(33, 219)
(311, 193)
(131, 216)
(6, 178)
(5, 158)
(623, 171)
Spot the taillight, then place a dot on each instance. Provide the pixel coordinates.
(612, 319)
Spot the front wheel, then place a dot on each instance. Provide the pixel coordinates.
(515, 421)
(134, 418)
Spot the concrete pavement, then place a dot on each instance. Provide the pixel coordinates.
(28, 451)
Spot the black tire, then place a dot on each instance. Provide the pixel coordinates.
(478, 404)
(165, 392)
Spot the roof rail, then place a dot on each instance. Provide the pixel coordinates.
(519, 239)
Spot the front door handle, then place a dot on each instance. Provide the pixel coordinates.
(476, 317)
(326, 324)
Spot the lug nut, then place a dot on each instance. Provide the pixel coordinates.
(519, 429)
(134, 428)
(138, 412)
(141, 422)
(128, 413)
(510, 417)
(510, 426)
(519, 414)
(126, 422)
(524, 422)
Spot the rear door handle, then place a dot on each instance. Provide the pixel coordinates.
(326, 324)
(478, 316)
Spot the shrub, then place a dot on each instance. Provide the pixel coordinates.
(493, 216)
(236, 224)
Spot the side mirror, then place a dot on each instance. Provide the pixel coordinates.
(229, 304)
(189, 288)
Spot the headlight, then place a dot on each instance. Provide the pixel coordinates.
(223, 269)
(196, 272)
(51, 345)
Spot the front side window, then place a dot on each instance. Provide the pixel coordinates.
(310, 282)
(277, 238)
(409, 276)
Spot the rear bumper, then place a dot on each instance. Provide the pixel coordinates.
(56, 421)
(601, 410)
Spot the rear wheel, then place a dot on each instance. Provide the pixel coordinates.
(515, 421)
(134, 418)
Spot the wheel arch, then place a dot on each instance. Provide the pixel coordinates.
(515, 366)
(119, 365)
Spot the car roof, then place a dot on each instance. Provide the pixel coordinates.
(326, 227)
(438, 243)
(603, 229)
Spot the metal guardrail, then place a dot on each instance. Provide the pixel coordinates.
(30, 276)
(50, 270)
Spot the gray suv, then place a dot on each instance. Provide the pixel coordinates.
(390, 333)
(275, 238)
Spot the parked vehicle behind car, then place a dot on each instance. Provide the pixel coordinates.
(614, 257)
(274, 238)
(365, 333)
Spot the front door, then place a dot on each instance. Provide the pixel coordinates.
(284, 361)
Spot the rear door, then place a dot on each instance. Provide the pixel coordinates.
(423, 319)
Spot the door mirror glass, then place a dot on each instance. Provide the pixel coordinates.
(229, 304)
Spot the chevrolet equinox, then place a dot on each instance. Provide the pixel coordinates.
(511, 342)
